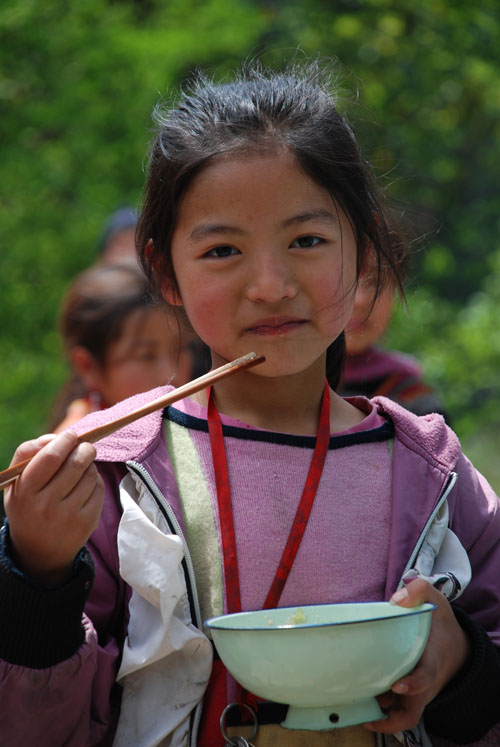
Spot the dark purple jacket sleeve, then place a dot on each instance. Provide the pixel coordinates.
(467, 711)
(58, 668)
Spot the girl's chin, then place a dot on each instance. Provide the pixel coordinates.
(281, 360)
(278, 368)
(357, 341)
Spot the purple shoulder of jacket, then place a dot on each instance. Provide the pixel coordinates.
(133, 441)
(427, 434)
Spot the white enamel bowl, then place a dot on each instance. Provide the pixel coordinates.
(327, 662)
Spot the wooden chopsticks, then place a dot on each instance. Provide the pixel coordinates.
(239, 364)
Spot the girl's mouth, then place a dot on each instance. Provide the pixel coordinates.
(275, 326)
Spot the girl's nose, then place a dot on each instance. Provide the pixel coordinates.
(271, 280)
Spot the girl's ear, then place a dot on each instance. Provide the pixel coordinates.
(170, 293)
(168, 288)
(367, 270)
(86, 366)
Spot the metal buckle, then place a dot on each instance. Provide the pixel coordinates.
(238, 741)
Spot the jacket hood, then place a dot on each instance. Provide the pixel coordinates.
(135, 440)
(427, 435)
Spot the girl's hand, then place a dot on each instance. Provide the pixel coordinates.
(445, 654)
(54, 506)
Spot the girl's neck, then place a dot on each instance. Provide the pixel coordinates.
(288, 404)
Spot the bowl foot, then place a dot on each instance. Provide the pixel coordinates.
(333, 717)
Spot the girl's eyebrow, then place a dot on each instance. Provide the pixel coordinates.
(206, 229)
(319, 215)
(210, 228)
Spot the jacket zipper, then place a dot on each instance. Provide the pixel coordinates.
(187, 564)
(452, 478)
(444, 495)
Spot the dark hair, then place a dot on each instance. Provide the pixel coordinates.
(97, 304)
(93, 314)
(260, 110)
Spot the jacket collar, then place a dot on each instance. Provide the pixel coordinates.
(427, 435)
(134, 441)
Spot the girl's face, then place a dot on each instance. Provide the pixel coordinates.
(146, 355)
(264, 261)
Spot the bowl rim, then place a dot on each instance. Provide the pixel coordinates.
(212, 622)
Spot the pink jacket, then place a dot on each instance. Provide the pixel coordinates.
(76, 701)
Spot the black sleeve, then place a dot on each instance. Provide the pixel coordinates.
(40, 626)
(469, 705)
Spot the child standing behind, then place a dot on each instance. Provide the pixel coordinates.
(257, 220)
(118, 341)
(370, 369)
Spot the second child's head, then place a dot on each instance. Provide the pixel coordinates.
(119, 342)
(259, 216)
(372, 310)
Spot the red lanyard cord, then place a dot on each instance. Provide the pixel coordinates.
(228, 535)
(303, 512)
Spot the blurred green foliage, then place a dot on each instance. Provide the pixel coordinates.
(459, 348)
(78, 82)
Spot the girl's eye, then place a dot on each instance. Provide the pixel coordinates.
(224, 250)
(144, 356)
(306, 242)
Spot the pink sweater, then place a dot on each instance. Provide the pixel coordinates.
(351, 510)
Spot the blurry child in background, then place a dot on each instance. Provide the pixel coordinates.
(372, 371)
(117, 240)
(117, 244)
(118, 342)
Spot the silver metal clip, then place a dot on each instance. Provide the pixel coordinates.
(238, 741)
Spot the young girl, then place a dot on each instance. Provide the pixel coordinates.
(259, 219)
(118, 341)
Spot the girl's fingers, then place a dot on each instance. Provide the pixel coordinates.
(86, 493)
(67, 524)
(386, 700)
(79, 463)
(445, 653)
(45, 462)
(58, 467)
(79, 512)
(90, 510)
(28, 449)
(72, 485)
(417, 681)
(416, 592)
(53, 506)
(405, 714)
